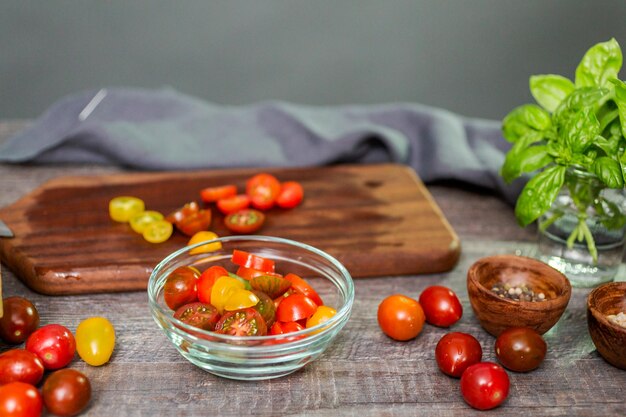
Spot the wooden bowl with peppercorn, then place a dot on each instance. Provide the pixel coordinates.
(606, 321)
(515, 291)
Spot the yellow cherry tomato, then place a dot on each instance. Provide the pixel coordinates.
(321, 315)
(122, 208)
(223, 288)
(201, 237)
(95, 340)
(139, 222)
(241, 299)
(158, 231)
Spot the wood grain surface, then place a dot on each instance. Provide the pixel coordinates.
(363, 373)
(375, 219)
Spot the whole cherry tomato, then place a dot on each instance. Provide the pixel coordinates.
(300, 285)
(207, 280)
(19, 399)
(244, 221)
(66, 392)
(19, 320)
(213, 194)
(95, 340)
(456, 351)
(204, 236)
(484, 385)
(232, 204)
(400, 317)
(291, 195)
(181, 287)
(520, 349)
(200, 315)
(54, 344)
(441, 306)
(263, 190)
(295, 307)
(20, 365)
(246, 322)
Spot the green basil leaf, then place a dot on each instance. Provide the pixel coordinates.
(609, 171)
(608, 146)
(601, 63)
(610, 214)
(622, 164)
(580, 130)
(550, 90)
(523, 119)
(511, 168)
(539, 194)
(579, 99)
(528, 160)
(620, 101)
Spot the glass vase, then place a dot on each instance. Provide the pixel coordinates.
(582, 234)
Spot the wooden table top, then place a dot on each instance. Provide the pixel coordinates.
(363, 372)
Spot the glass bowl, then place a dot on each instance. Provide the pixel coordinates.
(256, 357)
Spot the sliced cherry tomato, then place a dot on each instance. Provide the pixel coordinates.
(195, 222)
(241, 299)
(95, 340)
(123, 208)
(207, 280)
(303, 287)
(295, 307)
(19, 319)
(291, 195)
(213, 194)
(246, 322)
(441, 306)
(202, 237)
(54, 344)
(271, 285)
(19, 399)
(184, 211)
(250, 260)
(140, 221)
(158, 231)
(400, 317)
(265, 307)
(263, 190)
(456, 351)
(322, 315)
(232, 204)
(200, 315)
(66, 392)
(520, 349)
(484, 385)
(287, 327)
(249, 273)
(244, 221)
(181, 287)
(20, 365)
(223, 288)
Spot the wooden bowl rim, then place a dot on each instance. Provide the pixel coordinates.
(599, 316)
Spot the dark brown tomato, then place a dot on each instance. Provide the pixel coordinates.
(520, 349)
(181, 287)
(265, 307)
(19, 320)
(200, 315)
(66, 392)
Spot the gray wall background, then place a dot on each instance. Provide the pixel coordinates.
(471, 57)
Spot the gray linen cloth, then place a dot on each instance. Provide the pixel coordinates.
(166, 130)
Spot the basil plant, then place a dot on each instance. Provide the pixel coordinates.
(577, 125)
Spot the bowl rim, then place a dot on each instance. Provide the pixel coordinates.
(532, 305)
(599, 316)
(314, 332)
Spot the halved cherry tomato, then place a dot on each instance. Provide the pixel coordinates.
(263, 190)
(232, 204)
(184, 211)
(223, 288)
(180, 287)
(158, 231)
(271, 285)
(201, 237)
(246, 322)
(140, 221)
(322, 314)
(200, 315)
(212, 194)
(249, 273)
(250, 260)
(241, 299)
(244, 221)
(287, 327)
(265, 307)
(190, 219)
(291, 195)
(303, 287)
(207, 280)
(122, 208)
(295, 307)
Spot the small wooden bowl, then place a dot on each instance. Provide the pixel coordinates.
(497, 314)
(609, 338)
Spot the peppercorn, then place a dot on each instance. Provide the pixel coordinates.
(517, 293)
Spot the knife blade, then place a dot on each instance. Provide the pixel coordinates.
(5, 231)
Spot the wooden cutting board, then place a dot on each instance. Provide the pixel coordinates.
(377, 220)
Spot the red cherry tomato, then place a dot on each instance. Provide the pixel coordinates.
(244, 221)
(245, 322)
(213, 194)
(200, 315)
(263, 190)
(287, 327)
(18, 399)
(295, 307)
(441, 306)
(520, 349)
(232, 204)
(300, 285)
(484, 385)
(456, 351)
(291, 195)
(20, 318)
(206, 281)
(249, 273)
(181, 287)
(190, 219)
(54, 344)
(400, 317)
(184, 211)
(66, 392)
(249, 260)
(20, 365)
